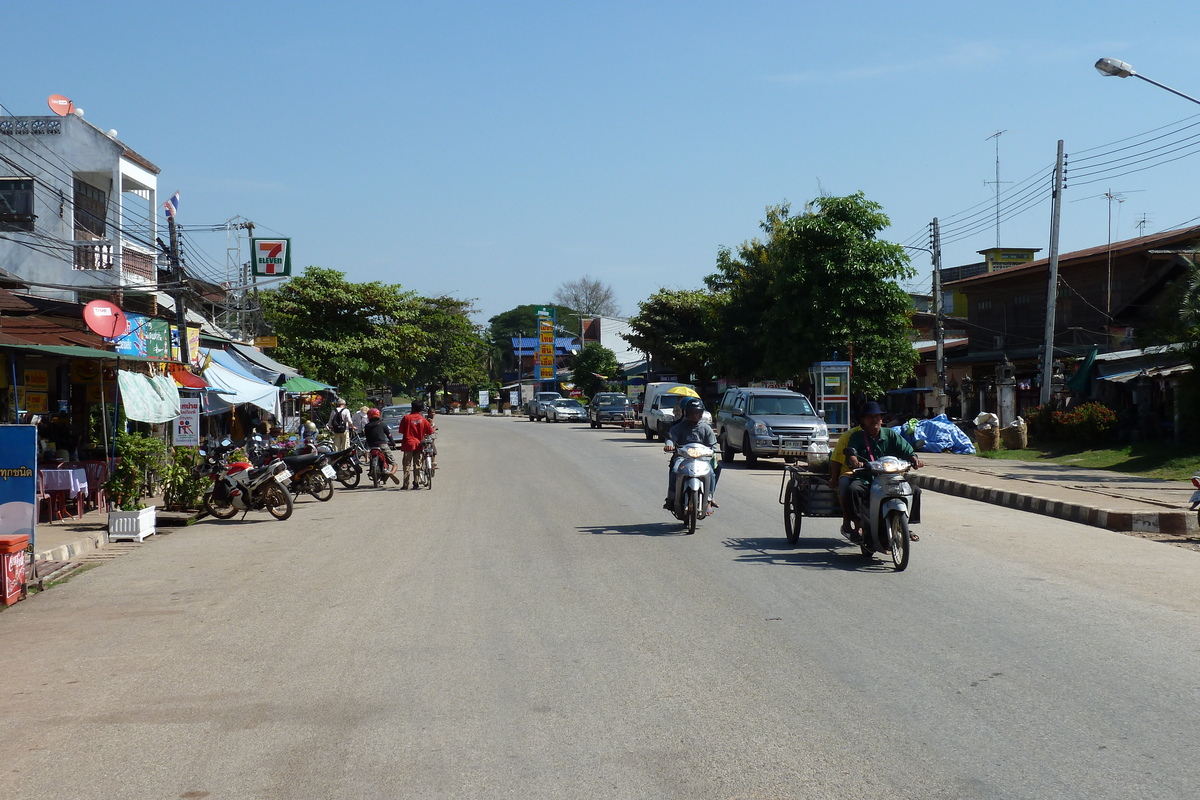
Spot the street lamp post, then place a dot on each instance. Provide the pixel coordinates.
(1119, 69)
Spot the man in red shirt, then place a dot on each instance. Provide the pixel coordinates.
(413, 430)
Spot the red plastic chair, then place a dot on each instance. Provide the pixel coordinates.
(97, 474)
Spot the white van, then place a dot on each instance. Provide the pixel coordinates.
(660, 408)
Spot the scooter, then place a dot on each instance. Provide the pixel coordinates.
(311, 472)
(890, 504)
(692, 475)
(240, 486)
(347, 466)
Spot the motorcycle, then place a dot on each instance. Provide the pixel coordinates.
(240, 486)
(347, 466)
(310, 471)
(377, 467)
(692, 475)
(890, 505)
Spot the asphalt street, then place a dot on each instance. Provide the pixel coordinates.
(537, 627)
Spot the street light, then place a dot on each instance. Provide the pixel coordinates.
(1119, 69)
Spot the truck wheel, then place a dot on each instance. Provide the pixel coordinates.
(748, 452)
(649, 433)
(727, 452)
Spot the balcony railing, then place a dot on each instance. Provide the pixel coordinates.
(93, 255)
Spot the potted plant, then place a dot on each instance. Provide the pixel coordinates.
(137, 457)
(183, 484)
(455, 406)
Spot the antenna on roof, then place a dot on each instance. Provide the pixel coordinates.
(996, 136)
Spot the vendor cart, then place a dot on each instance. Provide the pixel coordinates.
(805, 494)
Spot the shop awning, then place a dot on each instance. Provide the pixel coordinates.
(232, 361)
(256, 356)
(303, 385)
(186, 379)
(146, 399)
(79, 352)
(234, 389)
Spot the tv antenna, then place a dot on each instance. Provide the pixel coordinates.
(996, 136)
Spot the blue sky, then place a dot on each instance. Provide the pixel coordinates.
(494, 150)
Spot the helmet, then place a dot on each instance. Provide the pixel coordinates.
(372, 413)
(691, 405)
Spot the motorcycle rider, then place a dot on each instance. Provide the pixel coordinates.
(872, 443)
(691, 428)
(376, 435)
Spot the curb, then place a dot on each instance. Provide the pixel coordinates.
(1170, 522)
(86, 543)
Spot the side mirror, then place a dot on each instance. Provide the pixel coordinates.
(226, 442)
(821, 413)
(738, 411)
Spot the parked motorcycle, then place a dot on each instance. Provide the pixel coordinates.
(889, 507)
(347, 466)
(692, 474)
(310, 472)
(240, 486)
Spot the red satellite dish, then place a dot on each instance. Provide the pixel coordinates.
(60, 105)
(106, 319)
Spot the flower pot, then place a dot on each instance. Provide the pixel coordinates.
(131, 525)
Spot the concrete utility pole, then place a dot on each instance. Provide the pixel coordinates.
(939, 328)
(180, 308)
(1052, 280)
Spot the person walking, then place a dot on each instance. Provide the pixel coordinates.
(359, 419)
(339, 426)
(413, 430)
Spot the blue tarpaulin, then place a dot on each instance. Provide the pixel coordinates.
(939, 434)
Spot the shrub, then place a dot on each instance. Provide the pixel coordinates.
(138, 458)
(183, 485)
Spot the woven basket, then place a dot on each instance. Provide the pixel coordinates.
(987, 440)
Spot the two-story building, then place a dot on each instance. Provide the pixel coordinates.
(77, 210)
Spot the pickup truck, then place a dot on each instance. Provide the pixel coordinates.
(769, 423)
(536, 407)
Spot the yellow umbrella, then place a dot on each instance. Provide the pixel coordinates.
(683, 390)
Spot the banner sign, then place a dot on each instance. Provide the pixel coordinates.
(483, 398)
(271, 257)
(187, 424)
(545, 369)
(18, 480)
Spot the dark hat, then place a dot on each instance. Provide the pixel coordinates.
(870, 407)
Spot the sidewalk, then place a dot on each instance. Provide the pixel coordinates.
(1104, 499)
(72, 538)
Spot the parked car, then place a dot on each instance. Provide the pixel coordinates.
(565, 410)
(769, 423)
(391, 416)
(663, 412)
(612, 407)
(536, 407)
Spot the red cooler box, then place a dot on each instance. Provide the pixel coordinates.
(12, 567)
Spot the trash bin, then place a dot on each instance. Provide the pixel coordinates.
(12, 567)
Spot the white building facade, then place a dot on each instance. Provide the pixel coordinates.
(77, 209)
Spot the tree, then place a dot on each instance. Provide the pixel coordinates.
(674, 326)
(349, 335)
(822, 283)
(595, 360)
(459, 351)
(588, 296)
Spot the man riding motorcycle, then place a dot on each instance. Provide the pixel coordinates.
(690, 428)
(376, 435)
(872, 443)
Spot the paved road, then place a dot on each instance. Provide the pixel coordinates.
(535, 627)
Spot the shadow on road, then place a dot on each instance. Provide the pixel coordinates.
(823, 553)
(637, 529)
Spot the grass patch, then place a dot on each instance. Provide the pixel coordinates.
(1150, 460)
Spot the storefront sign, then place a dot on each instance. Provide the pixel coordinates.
(36, 402)
(483, 398)
(546, 370)
(18, 479)
(85, 370)
(271, 257)
(37, 380)
(187, 424)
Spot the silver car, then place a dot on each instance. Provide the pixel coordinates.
(565, 410)
(769, 423)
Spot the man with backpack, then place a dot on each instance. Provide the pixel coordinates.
(339, 426)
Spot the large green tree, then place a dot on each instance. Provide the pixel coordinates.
(595, 360)
(822, 283)
(350, 335)
(458, 351)
(675, 327)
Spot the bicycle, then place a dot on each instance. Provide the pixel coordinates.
(426, 468)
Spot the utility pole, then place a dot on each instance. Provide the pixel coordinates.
(1052, 281)
(180, 309)
(939, 328)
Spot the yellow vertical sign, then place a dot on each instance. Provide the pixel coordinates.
(545, 355)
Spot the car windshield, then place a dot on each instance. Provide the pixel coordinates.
(395, 411)
(612, 400)
(784, 405)
(567, 404)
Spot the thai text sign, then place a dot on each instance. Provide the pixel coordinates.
(187, 424)
(545, 355)
(18, 480)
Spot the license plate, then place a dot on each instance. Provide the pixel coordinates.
(328, 471)
(284, 476)
(793, 444)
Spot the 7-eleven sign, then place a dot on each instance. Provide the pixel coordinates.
(271, 257)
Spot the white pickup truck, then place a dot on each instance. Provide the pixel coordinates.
(660, 409)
